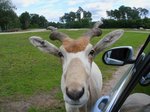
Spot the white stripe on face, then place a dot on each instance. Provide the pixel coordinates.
(82, 55)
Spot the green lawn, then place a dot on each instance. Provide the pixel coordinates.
(25, 71)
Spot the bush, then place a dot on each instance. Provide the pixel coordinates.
(134, 23)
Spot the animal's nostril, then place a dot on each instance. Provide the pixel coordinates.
(75, 94)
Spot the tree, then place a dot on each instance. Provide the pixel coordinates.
(14, 21)
(110, 14)
(87, 15)
(32, 21)
(6, 5)
(25, 20)
(127, 17)
(68, 17)
(38, 21)
(78, 19)
(124, 13)
(143, 12)
(8, 18)
(34, 18)
(43, 22)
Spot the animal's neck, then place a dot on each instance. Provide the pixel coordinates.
(93, 94)
(83, 109)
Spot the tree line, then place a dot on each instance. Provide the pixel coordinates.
(8, 18)
(32, 21)
(127, 17)
(127, 13)
(78, 19)
(123, 17)
(10, 21)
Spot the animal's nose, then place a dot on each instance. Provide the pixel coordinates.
(74, 94)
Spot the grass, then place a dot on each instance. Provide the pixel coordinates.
(25, 71)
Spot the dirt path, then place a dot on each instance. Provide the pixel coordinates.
(48, 100)
(108, 85)
(27, 31)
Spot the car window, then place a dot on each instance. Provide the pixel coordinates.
(139, 98)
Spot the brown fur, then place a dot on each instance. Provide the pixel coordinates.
(75, 45)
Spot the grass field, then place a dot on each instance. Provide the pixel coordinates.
(25, 71)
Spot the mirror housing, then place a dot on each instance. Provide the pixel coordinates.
(119, 56)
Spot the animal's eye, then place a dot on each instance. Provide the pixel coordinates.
(92, 52)
(60, 54)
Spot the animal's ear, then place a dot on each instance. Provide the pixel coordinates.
(108, 40)
(44, 45)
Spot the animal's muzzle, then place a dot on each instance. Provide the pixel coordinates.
(74, 94)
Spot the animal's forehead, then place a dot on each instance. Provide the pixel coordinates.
(74, 46)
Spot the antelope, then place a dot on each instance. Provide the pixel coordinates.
(81, 80)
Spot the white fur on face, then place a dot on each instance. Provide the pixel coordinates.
(78, 78)
(83, 56)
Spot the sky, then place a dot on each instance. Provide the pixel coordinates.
(54, 9)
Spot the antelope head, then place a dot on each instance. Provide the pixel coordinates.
(77, 58)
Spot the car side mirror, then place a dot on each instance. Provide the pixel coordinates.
(119, 56)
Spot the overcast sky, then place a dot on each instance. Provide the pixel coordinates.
(53, 9)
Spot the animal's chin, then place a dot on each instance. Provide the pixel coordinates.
(76, 104)
(79, 103)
